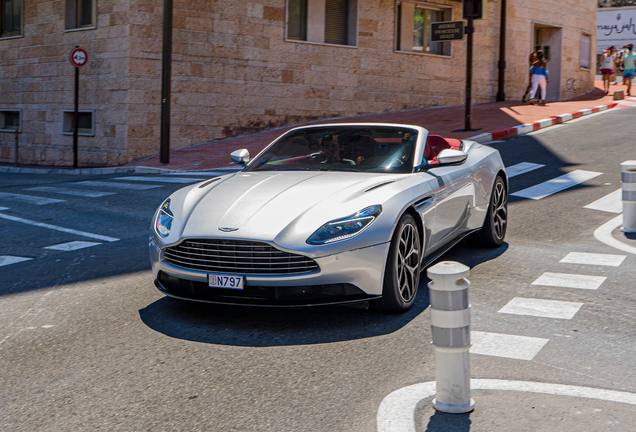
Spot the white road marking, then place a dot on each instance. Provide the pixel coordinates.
(505, 345)
(522, 168)
(71, 246)
(47, 326)
(608, 260)
(75, 192)
(29, 199)
(58, 228)
(162, 179)
(565, 280)
(207, 174)
(4, 208)
(604, 235)
(541, 308)
(119, 185)
(396, 412)
(10, 259)
(555, 185)
(612, 203)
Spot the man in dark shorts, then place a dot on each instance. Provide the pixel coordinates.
(532, 58)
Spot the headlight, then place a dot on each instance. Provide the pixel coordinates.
(347, 227)
(164, 219)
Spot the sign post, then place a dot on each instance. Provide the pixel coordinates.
(78, 59)
(471, 10)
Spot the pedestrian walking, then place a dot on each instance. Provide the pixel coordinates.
(628, 67)
(607, 68)
(532, 58)
(539, 77)
(619, 63)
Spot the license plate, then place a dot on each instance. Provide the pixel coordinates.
(225, 281)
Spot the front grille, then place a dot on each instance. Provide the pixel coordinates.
(236, 256)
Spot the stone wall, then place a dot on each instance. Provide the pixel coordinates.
(234, 73)
(36, 77)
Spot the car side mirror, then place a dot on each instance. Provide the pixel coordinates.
(240, 157)
(451, 157)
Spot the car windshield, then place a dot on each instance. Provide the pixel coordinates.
(341, 148)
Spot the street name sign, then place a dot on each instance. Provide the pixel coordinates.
(447, 31)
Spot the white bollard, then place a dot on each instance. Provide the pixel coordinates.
(450, 326)
(628, 184)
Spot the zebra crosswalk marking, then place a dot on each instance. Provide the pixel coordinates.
(593, 259)
(29, 199)
(118, 185)
(557, 184)
(71, 246)
(10, 259)
(522, 168)
(506, 345)
(162, 179)
(67, 191)
(565, 280)
(541, 308)
(612, 203)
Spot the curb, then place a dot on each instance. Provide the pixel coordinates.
(108, 170)
(540, 124)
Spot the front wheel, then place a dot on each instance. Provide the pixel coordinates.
(402, 273)
(493, 232)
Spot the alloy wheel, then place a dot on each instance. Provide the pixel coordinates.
(500, 210)
(408, 259)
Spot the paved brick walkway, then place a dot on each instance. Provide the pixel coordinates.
(445, 121)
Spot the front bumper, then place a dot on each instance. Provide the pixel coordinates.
(346, 277)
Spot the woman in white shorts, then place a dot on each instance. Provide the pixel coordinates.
(539, 76)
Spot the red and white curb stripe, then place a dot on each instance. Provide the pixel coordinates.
(540, 124)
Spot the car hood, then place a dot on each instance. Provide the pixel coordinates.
(261, 205)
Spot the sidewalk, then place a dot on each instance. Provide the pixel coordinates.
(445, 121)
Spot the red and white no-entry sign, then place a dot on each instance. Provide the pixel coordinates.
(78, 57)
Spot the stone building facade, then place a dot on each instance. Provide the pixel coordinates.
(241, 66)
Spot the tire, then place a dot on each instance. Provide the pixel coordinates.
(493, 231)
(402, 272)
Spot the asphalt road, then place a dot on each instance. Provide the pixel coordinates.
(88, 343)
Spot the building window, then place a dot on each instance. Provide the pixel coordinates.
(11, 22)
(414, 29)
(297, 20)
(80, 14)
(85, 123)
(9, 120)
(323, 21)
(586, 51)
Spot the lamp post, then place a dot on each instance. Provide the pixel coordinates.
(166, 77)
(501, 93)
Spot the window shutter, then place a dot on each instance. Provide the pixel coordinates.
(336, 18)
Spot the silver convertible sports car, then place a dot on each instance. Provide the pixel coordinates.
(329, 214)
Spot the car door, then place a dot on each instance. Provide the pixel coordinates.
(454, 201)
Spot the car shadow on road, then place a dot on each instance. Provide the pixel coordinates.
(262, 327)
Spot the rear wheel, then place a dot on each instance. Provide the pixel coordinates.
(402, 273)
(493, 232)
